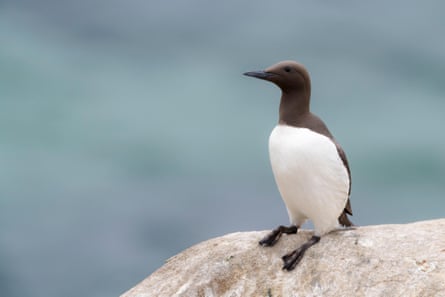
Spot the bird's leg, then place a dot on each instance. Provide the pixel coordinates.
(293, 258)
(273, 236)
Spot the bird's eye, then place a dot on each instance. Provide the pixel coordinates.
(287, 69)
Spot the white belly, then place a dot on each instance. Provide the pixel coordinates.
(310, 176)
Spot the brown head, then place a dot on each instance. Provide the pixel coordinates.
(293, 80)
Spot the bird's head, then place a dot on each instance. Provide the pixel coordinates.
(289, 76)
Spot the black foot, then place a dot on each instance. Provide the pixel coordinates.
(293, 258)
(273, 236)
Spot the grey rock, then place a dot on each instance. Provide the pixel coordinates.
(385, 260)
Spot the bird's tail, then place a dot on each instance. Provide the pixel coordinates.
(344, 220)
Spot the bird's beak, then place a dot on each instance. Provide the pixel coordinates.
(259, 74)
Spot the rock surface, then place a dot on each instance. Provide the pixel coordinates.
(385, 260)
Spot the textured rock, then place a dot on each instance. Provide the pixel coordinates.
(385, 260)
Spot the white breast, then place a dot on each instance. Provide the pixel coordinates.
(310, 176)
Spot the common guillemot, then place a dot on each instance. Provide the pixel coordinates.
(309, 166)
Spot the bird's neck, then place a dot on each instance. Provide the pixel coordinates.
(294, 106)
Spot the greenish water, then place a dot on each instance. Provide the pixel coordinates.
(128, 132)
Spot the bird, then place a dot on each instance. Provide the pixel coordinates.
(309, 166)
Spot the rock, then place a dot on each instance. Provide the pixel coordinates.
(385, 260)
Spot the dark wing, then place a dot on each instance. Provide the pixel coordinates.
(345, 162)
(343, 219)
(314, 123)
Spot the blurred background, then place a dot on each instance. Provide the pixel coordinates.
(129, 134)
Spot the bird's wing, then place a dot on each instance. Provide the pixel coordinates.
(342, 154)
(314, 123)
